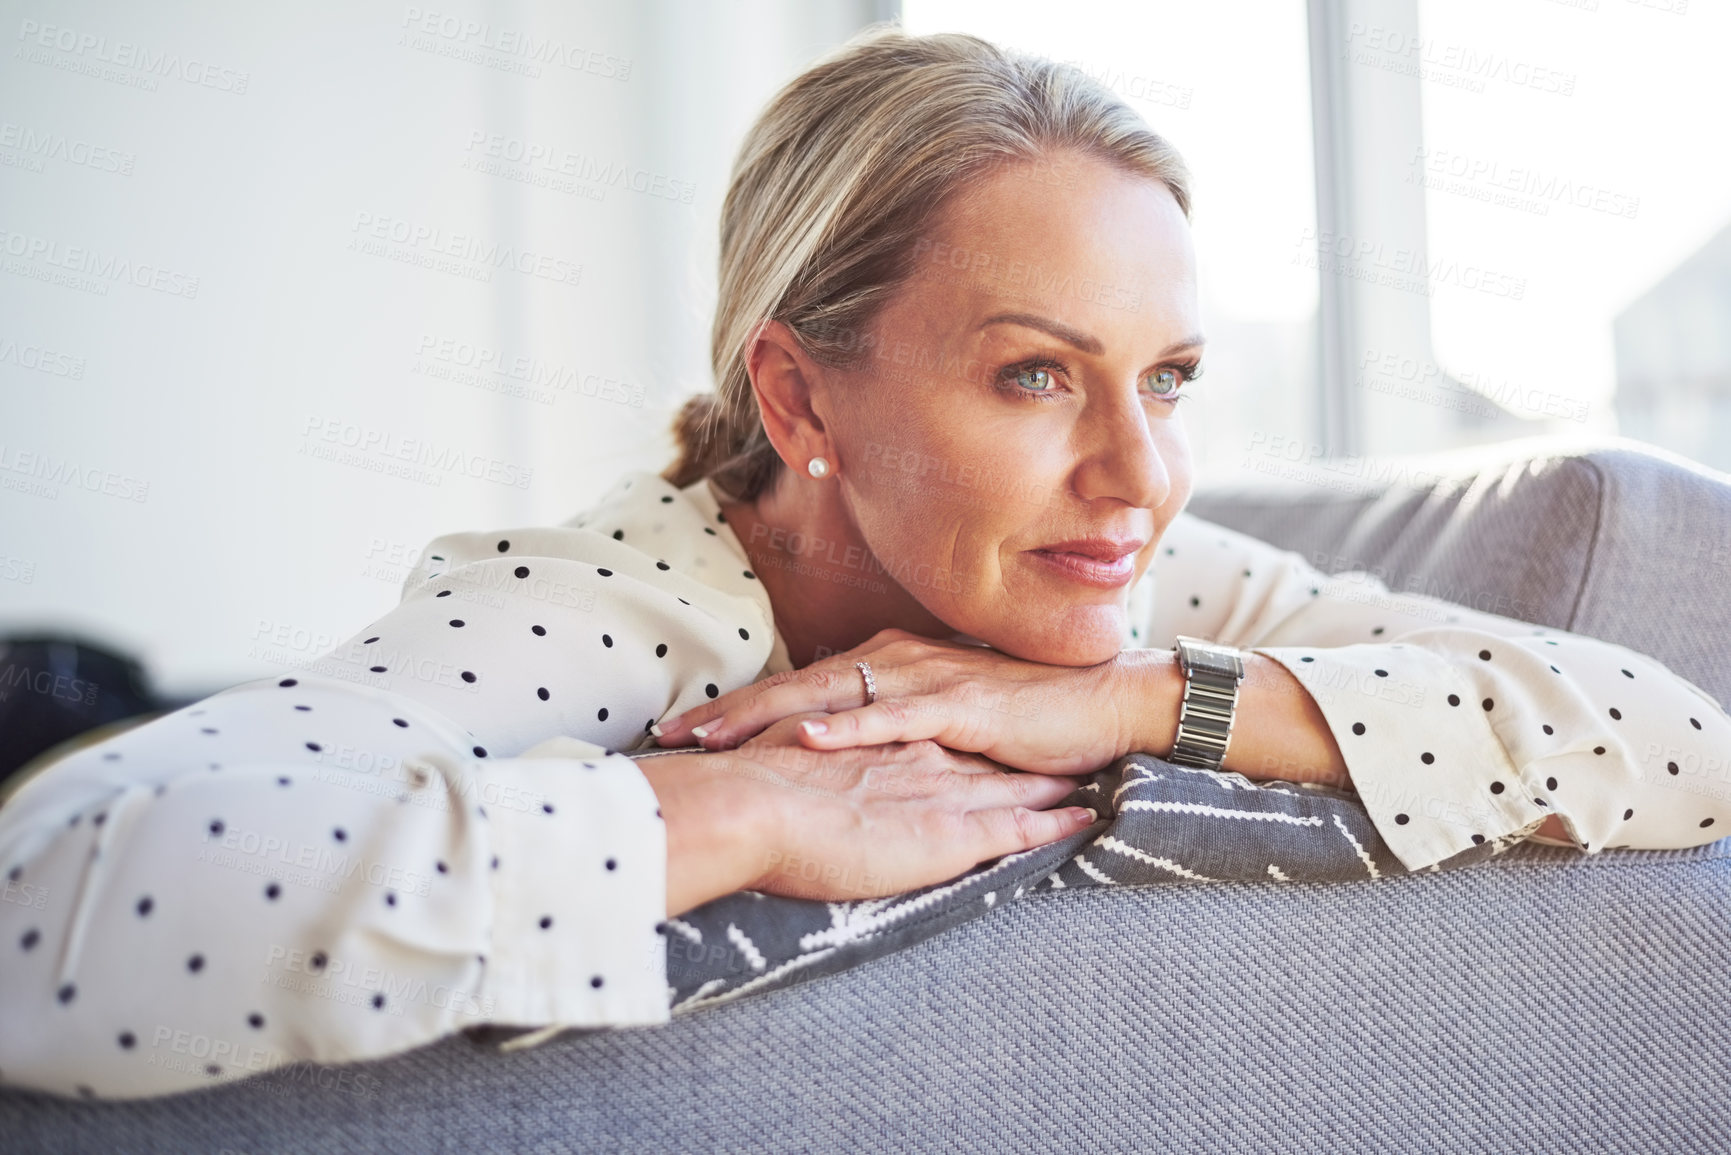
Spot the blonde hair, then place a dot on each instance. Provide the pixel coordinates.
(839, 178)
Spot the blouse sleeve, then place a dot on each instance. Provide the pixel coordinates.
(425, 830)
(1457, 725)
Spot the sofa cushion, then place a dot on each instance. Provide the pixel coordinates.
(1607, 537)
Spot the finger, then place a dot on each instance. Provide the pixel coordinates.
(885, 721)
(1034, 791)
(1012, 829)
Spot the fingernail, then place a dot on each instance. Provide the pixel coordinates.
(656, 729)
(700, 731)
(1093, 815)
(814, 727)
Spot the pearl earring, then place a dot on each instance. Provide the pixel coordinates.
(817, 467)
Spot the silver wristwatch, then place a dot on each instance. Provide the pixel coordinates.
(1211, 677)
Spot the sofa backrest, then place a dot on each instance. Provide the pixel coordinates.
(1608, 537)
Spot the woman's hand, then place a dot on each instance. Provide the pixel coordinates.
(1048, 719)
(775, 817)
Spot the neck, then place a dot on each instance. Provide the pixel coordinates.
(829, 591)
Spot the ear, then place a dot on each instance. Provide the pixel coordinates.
(782, 377)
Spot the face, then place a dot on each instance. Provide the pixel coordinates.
(1010, 448)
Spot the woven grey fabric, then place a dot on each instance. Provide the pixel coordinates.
(1540, 1001)
(1163, 824)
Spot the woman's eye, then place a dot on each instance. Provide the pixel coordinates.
(1034, 379)
(1164, 383)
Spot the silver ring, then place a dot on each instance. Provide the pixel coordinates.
(865, 669)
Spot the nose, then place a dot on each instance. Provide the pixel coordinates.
(1118, 451)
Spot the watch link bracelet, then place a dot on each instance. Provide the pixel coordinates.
(1211, 677)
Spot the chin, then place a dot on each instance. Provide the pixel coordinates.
(1098, 638)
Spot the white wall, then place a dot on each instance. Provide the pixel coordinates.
(198, 284)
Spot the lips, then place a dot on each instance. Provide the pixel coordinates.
(1102, 562)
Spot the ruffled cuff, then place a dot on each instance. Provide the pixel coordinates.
(579, 869)
(1419, 748)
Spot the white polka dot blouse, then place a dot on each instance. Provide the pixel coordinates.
(439, 824)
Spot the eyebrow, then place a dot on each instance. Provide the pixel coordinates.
(1076, 337)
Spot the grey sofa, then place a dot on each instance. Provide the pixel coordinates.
(1540, 1001)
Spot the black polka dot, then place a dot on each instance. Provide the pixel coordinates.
(1496, 787)
(1541, 802)
(370, 640)
(441, 867)
(661, 650)
(712, 690)
(30, 939)
(67, 993)
(127, 1040)
(601, 714)
(1478, 838)
(443, 594)
(340, 834)
(288, 682)
(456, 623)
(480, 751)
(747, 637)
(1195, 601)
(1427, 757)
(1488, 703)
(1485, 654)
(255, 1021)
(1550, 784)
(1314, 591)
(400, 722)
(317, 962)
(1628, 814)
(378, 1002)
(145, 906)
(1616, 713)
(665, 500)
(1694, 723)
(273, 892)
(612, 864)
(607, 640)
(661, 565)
(521, 571)
(1374, 631)
(503, 546)
(541, 693)
(546, 922)
(1671, 766)
(547, 807)
(749, 575)
(1358, 727)
(1554, 670)
(314, 747)
(495, 862)
(377, 669)
(605, 572)
(1454, 699)
(1382, 673)
(618, 535)
(1598, 749)
(468, 676)
(195, 963)
(1402, 819)
(1547, 728)
(596, 982)
(216, 826)
(1706, 822)
(1627, 674)
(1307, 658)
(709, 531)
(390, 898)
(538, 631)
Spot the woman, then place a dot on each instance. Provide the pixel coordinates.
(893, 589)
